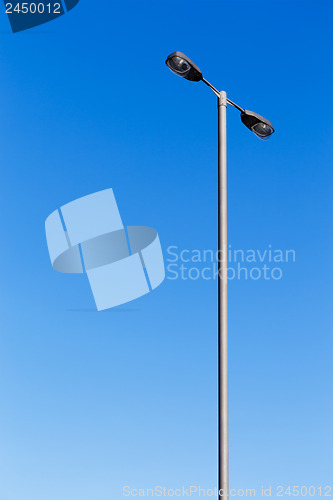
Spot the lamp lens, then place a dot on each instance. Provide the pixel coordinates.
(179, 66)
(262, 130)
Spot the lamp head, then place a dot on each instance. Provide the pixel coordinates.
(258, 124)
(180, 64)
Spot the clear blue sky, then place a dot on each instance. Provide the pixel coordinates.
(91, 402)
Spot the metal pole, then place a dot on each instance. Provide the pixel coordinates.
(223, 427)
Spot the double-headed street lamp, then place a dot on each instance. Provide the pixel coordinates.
(180, 64)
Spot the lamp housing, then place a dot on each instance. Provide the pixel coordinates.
(257, 124)
(182, 65)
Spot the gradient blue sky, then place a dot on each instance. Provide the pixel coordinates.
(91, 401)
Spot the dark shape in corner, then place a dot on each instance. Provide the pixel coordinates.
(70, 4)
(35, 12)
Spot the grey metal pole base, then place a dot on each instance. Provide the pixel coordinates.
(223, 425)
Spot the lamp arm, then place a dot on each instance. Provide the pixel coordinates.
(216, 92)
(235, 105)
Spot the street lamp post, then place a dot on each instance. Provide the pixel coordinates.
(183, 66)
